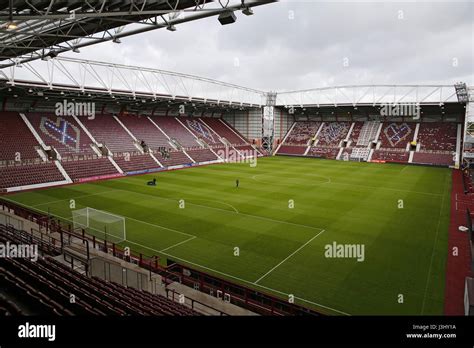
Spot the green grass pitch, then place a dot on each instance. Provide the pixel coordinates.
(282, 216)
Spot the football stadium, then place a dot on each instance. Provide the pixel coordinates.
(131, 190)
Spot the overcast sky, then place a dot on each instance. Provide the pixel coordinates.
(297, 44)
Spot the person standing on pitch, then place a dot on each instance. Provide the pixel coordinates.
(237, 183)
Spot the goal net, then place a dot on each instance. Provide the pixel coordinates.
(103, 225)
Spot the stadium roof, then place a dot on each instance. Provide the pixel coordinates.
(109, 80)
(74, 76)
(369, 95)
(33, 29)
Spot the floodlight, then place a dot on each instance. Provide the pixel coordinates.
(227, 17)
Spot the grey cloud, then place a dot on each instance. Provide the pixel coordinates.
(275, 52)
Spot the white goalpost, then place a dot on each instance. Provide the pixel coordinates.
(102, 224)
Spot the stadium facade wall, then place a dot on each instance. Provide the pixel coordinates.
(246, 122)
(282, 123)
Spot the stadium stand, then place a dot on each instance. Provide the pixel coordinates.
(368, 133)
(297, 140)
(302, 132)
(352, 140)
(45, 286)
(329, 139)
(224, 131)
(434, 158)
(52, 283)
(437, 136)
(16, 138)
(107, 131)
(89, 168)
(355, 133)
(394, 139)
(396, 135)
(332, 133)
(74, 145)
(29, 174)
(175, 130)
(202, 131)
(20, 163)
(395, 155)
(82, 158)
(292, 150)
(63, 133)
(247, 149)
(172, 158)
(143, 129)
(437, 143)
(135, 161)
(324, 152)
(202, 155)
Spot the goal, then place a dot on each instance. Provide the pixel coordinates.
(102, 224)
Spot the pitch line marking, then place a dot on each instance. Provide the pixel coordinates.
(175, 245)
(242, 280)
(210, 200)
(254, 177)
(288, 257)
(213, 208)
(389, 189)
(434, 247)
(207, 268)
(127, 217)
(354, 185)
(199, 205)
(67, 199)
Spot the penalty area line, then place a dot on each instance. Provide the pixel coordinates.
(288, 257)
(175, 245)
(124, 216)
(243, 280)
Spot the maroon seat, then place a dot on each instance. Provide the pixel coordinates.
(16, 139)
(201, 131)
(89, 168)
(107, 131)
(129, 162)
(63, 133)
(175, 130)
(174, 158)
(45, 286)
(302, 132)
(325, 152)
(202, 155)
(441, 159)
(224, 130)
(143, 129)
(29, 174)
(292, 149)
(391, 155)
(437, 143)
